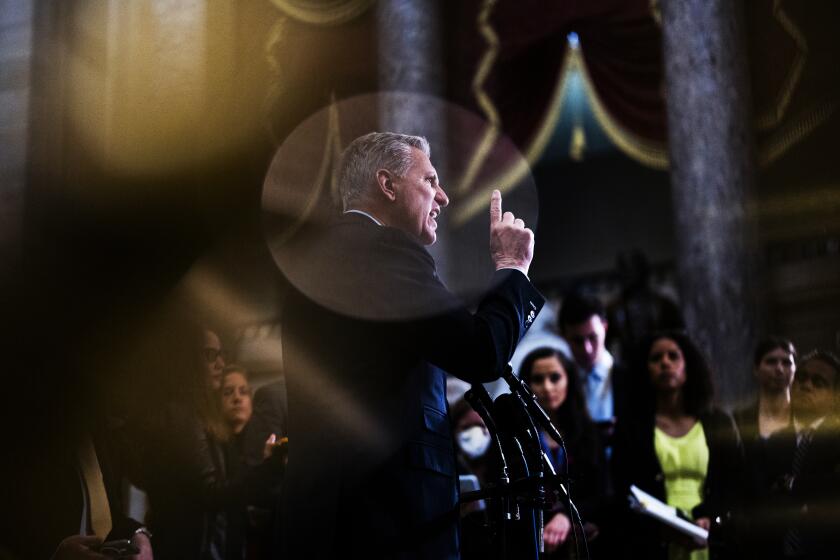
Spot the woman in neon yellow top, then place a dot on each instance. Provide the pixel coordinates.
(677, 448)
(685, 461)
(678, 438)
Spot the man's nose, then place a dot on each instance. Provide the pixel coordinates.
(440, 197)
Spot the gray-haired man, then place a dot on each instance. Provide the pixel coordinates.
(371, 330)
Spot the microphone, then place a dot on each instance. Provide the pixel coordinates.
(518, 387)
(513, 415)
(521, 389)
(480, 401)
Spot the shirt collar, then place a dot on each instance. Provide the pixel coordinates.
(363, 213)
(814, 425)
(603, 366)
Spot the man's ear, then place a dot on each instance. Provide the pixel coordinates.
(384, 179)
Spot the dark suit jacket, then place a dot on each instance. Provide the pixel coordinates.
(371, 461)
(763, 485)
(814, 495)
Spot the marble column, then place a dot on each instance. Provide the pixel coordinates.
(410, 60)
(15, 59)
(712, 175)
(410, 36)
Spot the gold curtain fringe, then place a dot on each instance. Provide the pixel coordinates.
(774, 115)
(787, 136)
(476, 201)
(323, 12)
(488, 108)
(652, 154)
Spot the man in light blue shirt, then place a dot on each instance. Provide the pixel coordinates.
(584, 326)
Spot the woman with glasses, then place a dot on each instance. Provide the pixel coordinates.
(555, 381)
(182, 443)
(215, 358)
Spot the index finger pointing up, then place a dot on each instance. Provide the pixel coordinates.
(495, 207)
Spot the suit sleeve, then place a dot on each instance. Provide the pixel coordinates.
(472, 346)
(201, 474)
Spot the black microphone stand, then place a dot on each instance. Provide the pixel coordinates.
(516, 439)
(529, 399)
(510, 408)
(523, 410)
(480, 401)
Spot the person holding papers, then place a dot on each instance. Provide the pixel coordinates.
(677, 448)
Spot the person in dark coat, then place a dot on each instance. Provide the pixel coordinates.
(182, 450)
(678, 441)
(369, 332)
(810, 510)
(270, 416)
(766, 458)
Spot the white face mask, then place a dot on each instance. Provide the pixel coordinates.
(474, 441)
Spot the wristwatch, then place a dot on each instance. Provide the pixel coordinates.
(144, 531)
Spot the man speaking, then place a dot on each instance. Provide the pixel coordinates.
(368, 333)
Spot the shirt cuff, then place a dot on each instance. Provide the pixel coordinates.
(522, 270)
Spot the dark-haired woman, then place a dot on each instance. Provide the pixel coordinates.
(766, 459)
(196, 496)
(556, 382)
(677, 448)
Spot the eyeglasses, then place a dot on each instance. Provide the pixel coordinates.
(212, 354)
(539, 379)
(817, 380)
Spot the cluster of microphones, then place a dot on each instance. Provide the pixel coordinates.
(523, 483)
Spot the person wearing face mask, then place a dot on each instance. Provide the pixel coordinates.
(472, 443)
(555, 381)
(472, 440)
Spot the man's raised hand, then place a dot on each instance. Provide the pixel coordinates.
(511, 243)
